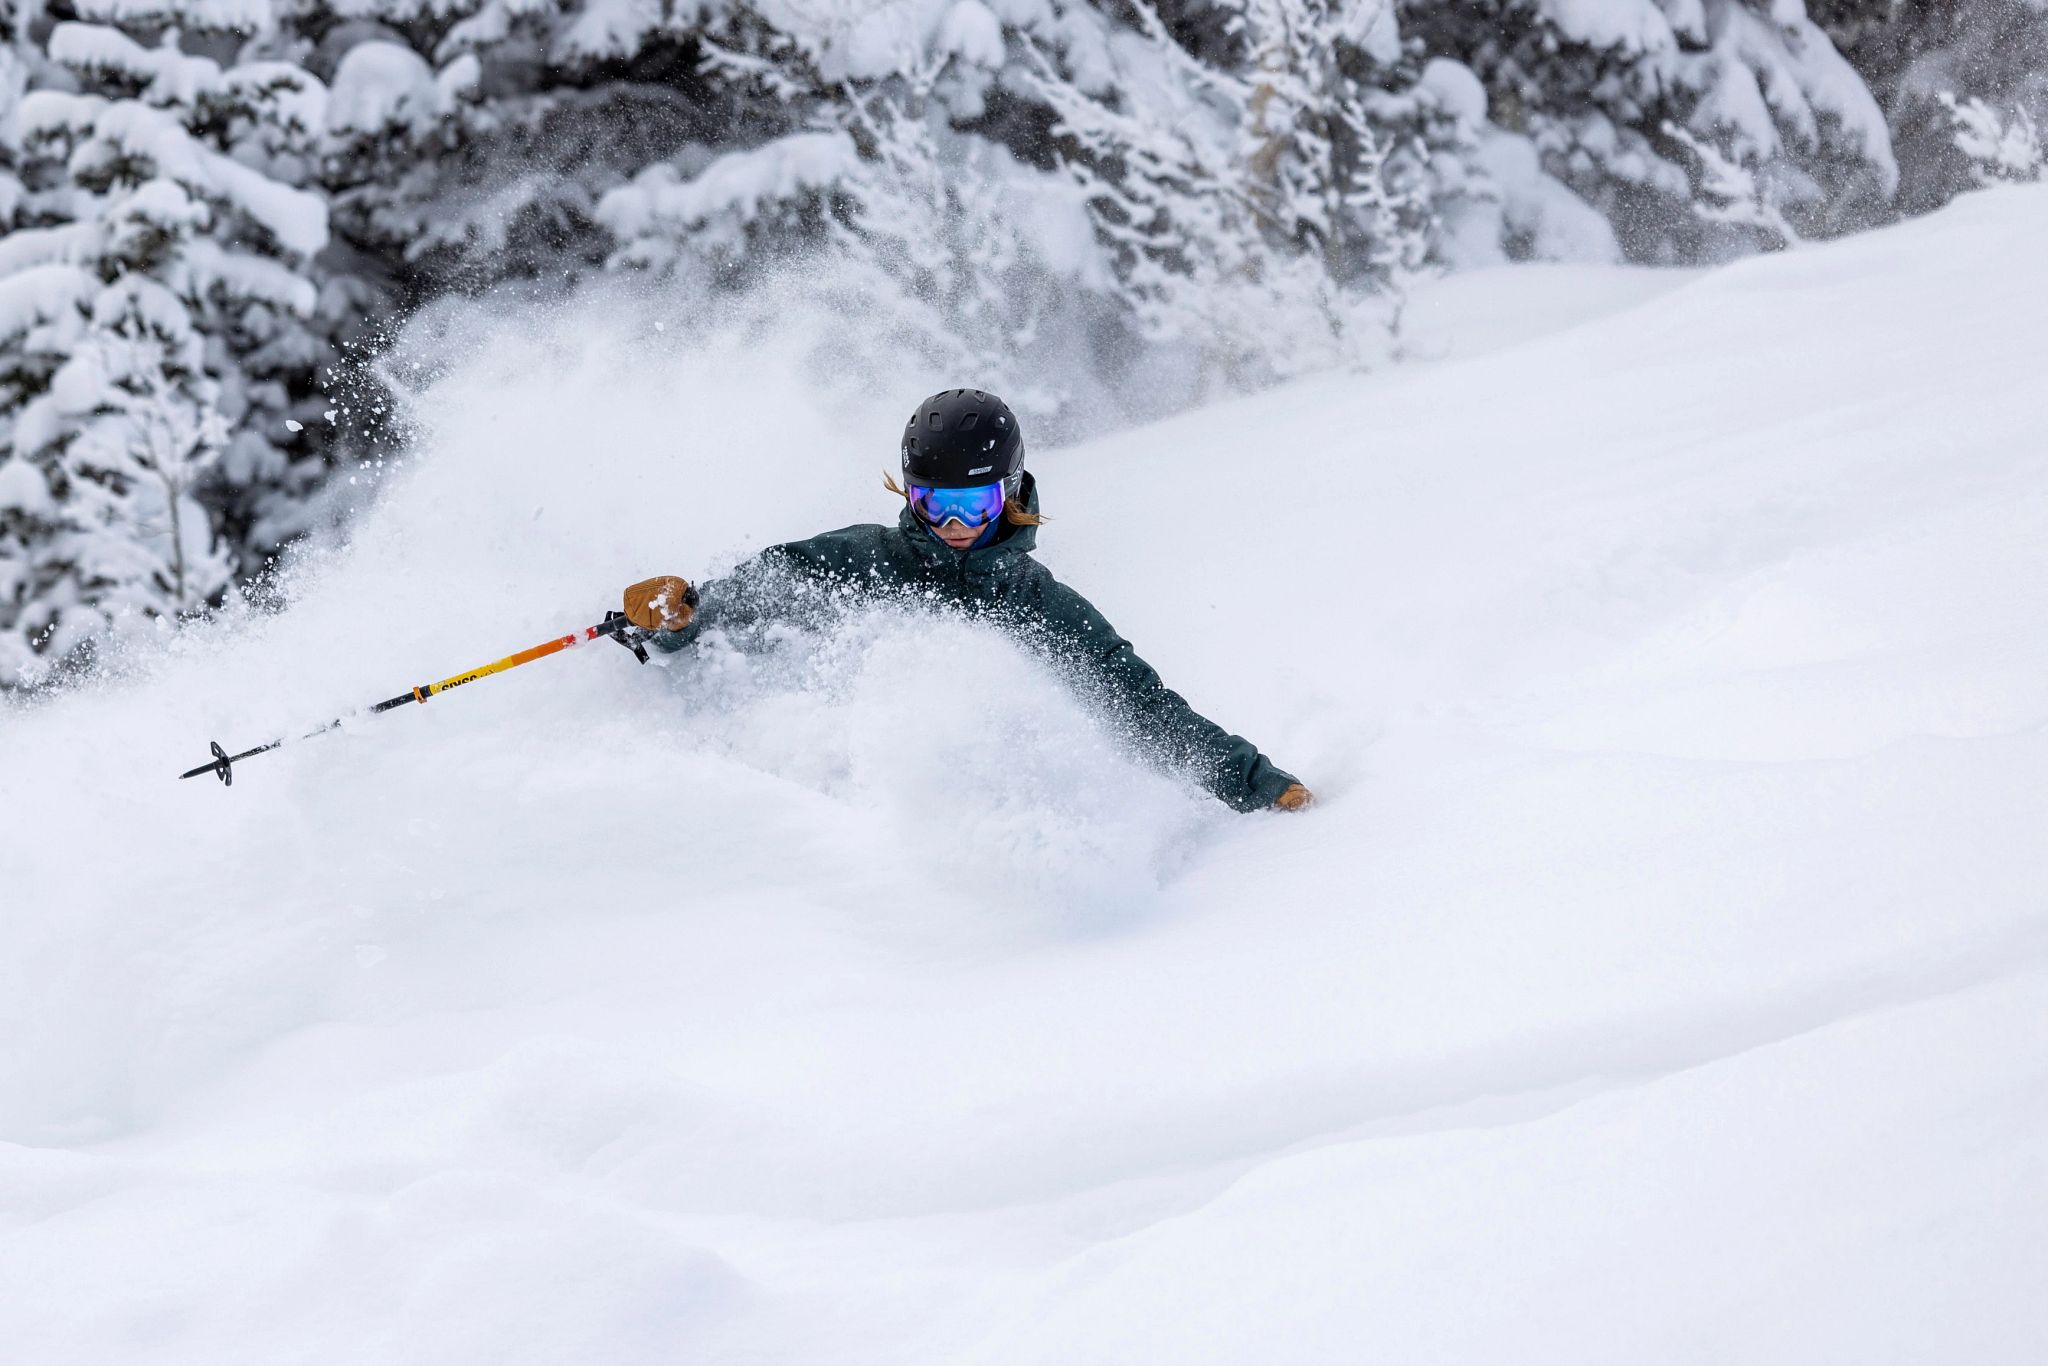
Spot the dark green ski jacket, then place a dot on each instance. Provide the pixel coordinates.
(1002, 580)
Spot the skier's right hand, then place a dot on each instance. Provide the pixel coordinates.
(662, 603)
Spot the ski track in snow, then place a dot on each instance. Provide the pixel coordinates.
(1663, 976)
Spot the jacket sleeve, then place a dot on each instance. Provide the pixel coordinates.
(1159, 718)
(791, 582)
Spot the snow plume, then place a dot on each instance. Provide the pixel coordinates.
(560, 454)
(1026, 795)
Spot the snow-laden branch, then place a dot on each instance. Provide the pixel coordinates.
(2002, 148)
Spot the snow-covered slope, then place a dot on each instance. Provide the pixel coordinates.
(1664, 976)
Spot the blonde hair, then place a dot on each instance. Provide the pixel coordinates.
(1013, 511)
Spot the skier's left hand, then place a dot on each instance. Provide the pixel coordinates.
(1295, 798)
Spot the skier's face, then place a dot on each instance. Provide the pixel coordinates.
(959, 536)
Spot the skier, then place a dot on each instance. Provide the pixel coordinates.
(965, 535)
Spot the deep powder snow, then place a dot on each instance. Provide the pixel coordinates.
(1663, 976)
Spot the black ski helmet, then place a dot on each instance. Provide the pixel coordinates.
(961, 438)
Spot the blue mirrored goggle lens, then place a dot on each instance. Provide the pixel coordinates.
(972, 507)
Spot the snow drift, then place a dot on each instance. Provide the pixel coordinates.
(1661, 978)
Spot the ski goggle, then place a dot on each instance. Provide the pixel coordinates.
(971, 507)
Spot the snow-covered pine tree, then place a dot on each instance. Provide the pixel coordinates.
(929, 233)
(926, 238)
(1594, 88)
(396, 134)
(470, 140)
(31, 568)
(1338, 148)
(1302, 106)
(156, 211)
(1152, 137)
(1914, 55)
(147, 431)
(220, 73)
(1253, 186)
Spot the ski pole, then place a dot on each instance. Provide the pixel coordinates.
(614, 625)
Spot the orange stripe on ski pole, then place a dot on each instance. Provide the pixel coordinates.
(508, 662)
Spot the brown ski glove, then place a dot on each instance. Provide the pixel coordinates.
(662, 603)
(1295, 798)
